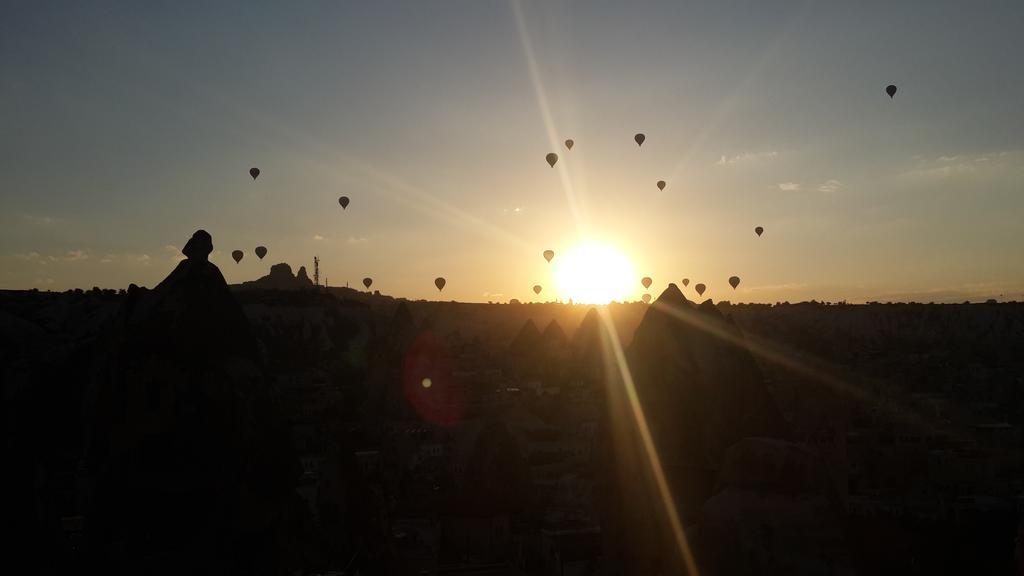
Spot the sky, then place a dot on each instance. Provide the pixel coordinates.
(124, 127)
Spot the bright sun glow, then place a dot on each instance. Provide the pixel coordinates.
(594, 274)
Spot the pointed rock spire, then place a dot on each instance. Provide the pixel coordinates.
(527, 340)
(553, 335)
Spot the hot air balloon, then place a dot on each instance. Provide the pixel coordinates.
(700, 289)
(439, 282)
(261, 251)
(686, 281)
(367, 282)
(237, 255)
(661, 184)
(639, 138)
(734, 281)
(569, 143)
(343, 201)
(646, 281)
(254, 172)
(759, 230)
(537, 288)
(890, 90)
(551, 158)
(549, 254)
(646, 298)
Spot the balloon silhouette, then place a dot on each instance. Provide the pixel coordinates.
(551, 158)
(537, 288)
(367, 282)
(686, 281)
(343, 201)
(646, 298)
(646, 281)
(661, 184)
(569, 143)
(639, 138)
(237, 255)
(549, 254)
(700, 289)
(254, 172)
(439, 282)
(890, 90)
(734, 281)
(261, 251)
(759, 230)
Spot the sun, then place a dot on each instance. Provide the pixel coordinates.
(594, 273)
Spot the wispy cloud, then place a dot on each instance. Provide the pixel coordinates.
(174, 253)
(30, 257)
(747, 157)
(789, 186)
(71, 256)
(776, 287)
(318, 237)
(948, 166)
(37, 220)
(974, 291)
(830, 186)
(144, 259)
(357, 240)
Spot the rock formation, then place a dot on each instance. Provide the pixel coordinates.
(280, 278)
(527, 340)
(554, 337)
(700, 392)
(777, 512)
(191, 466)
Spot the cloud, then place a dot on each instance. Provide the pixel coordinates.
(174, 252)
(974, 291)
(107, 259)
(72, 256)
(37, 220)
(830, 186)
(30, 257)
(355, 240)
(318, 237)
(144, 259)
(948, 166)
(747, 157)
(943, 171)
(777, 287)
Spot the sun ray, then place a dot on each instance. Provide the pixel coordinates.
(773, 353)
(614, 354)
(575, 204)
